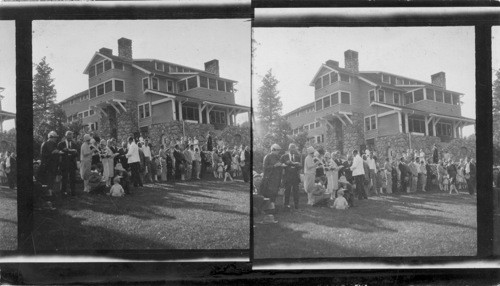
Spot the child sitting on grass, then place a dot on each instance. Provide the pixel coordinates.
(116, 190)
(340, 202)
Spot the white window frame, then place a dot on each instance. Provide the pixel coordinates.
(114, 86)
(113, 89)
(382, 75)
(398, 96)
(173, 85)
(162, 66)
(340, 97)
(378, 95)
(374, 95)
(143, 105)
(373, 117)
(142, 83)
(157, 83)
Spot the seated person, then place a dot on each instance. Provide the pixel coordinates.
(340, 202)
(319, 196)
(96, 184)
(116, 190)
(348, 192)
(124, 178)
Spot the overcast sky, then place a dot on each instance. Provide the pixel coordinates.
(8, 68)
(296, 54)
(70, 45)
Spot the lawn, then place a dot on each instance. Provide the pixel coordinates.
(421, 224)
(205, 214)
(8, 219)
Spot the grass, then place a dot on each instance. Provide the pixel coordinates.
(205, 214)
(8, 219)
(421, 224)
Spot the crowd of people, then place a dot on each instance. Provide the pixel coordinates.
(330, 179)
(8, 169)
(117, 169)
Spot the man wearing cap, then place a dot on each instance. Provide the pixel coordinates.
(292, 160)
(134, 161)
(50, 160)
(358, 172)
(68, 162)
(272, 173)
(309, 174)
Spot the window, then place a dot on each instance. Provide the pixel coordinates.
(181, 86)
(345, 98)
(92, 71)
(326, 79)
(345, 78)
(416, 125)
(91, 112)
(319, 104)
(218, 117)
(429, 94)
(306, 127)
(381, 95)
(190, 113)
(439, 96)
(203, 81)
(408, 98)
(399, 81)
(107, 65)
(317, 84)
(100, 68)
(396, 98)
(456, 99)
(311, 126)
(334, 77)
(335, 98)
(229, 86)
(170, 86)
(144, 110)
(447, 97)
(192, 82)
(159, 66)
(318, 124)
(443, 129)
(100, 89)
(108, 86)
(326, 102)
(418, 95)
(145, 83)
(406, 82)
(370, 123)
(171, 69)
(86, 113)
(212, 83)
(386, 78)
(118, 65)
(372, 95)
(119, 85)
(93, 92)
(154, 83)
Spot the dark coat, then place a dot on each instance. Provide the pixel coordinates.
(68, 159)
(292, 171)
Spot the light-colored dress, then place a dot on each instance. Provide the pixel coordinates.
(332, 175)
(163, 163)
(107, 165)
(309, 176)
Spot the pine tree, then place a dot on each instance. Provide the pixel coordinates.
(44, 92)
(270, 105)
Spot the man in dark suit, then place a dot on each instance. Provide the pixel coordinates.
(12, 168)
(292, 160)
(209, 142)
(245, 160)
(49, 155)
(68, 162)
(405, 176)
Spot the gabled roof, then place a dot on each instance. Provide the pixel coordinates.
(74, 96)
(335, 69)
(108, 57)
(375, 76)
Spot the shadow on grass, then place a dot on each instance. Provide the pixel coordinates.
(8, 219)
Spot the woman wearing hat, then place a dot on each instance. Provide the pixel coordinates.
(124, 177)
(272, 174)
(85, 161)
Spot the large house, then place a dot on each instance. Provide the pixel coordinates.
(374, 109)
(127, 95)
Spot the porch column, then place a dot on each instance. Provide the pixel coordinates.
(207, 113)
(407, 129)
(227, 116)
(180, 110)
(173, 110)
(400, 122)
(434, 126)
(426, 125)
(200, 118)
(455, 129)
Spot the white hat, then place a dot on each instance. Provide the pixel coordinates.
(53, 134)
(275, 147)
(86, 137)
(310, 149)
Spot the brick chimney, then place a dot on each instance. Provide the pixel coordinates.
(439, 79)
(212, 67)
(125, 48)
(332, 63)
(351, 61)
(106, 51)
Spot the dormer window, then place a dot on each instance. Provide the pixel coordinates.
(170, 86)
(317, 84)
(381, 95)
(159, 66)
(100, 67)
(154, 83)
(386, 78)
(326, 79)
(192, 82)
(418, 95)
(447, 97)
(221, 86)
(107, 65)
(203, 81)
(334, 77)
(229, 86)
(396, 98)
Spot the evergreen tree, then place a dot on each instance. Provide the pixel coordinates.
(44, 92)
(270, 105)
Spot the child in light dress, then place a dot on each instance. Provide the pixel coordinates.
(340, 202)
(220, 169)
(116, 190)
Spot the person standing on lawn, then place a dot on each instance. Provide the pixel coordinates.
(134, 161)
(358, 172)
(388, 176)
(372, 164)
(413, 175)
(470, 176)
(435, 154)
(245, 163)
(50, 161)
(85, 162)
(272, 173)
(163, 163)
(12, 167)
(147, 161)
(309, 174)
(292, 160)
(405, 175)
(68, 162)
